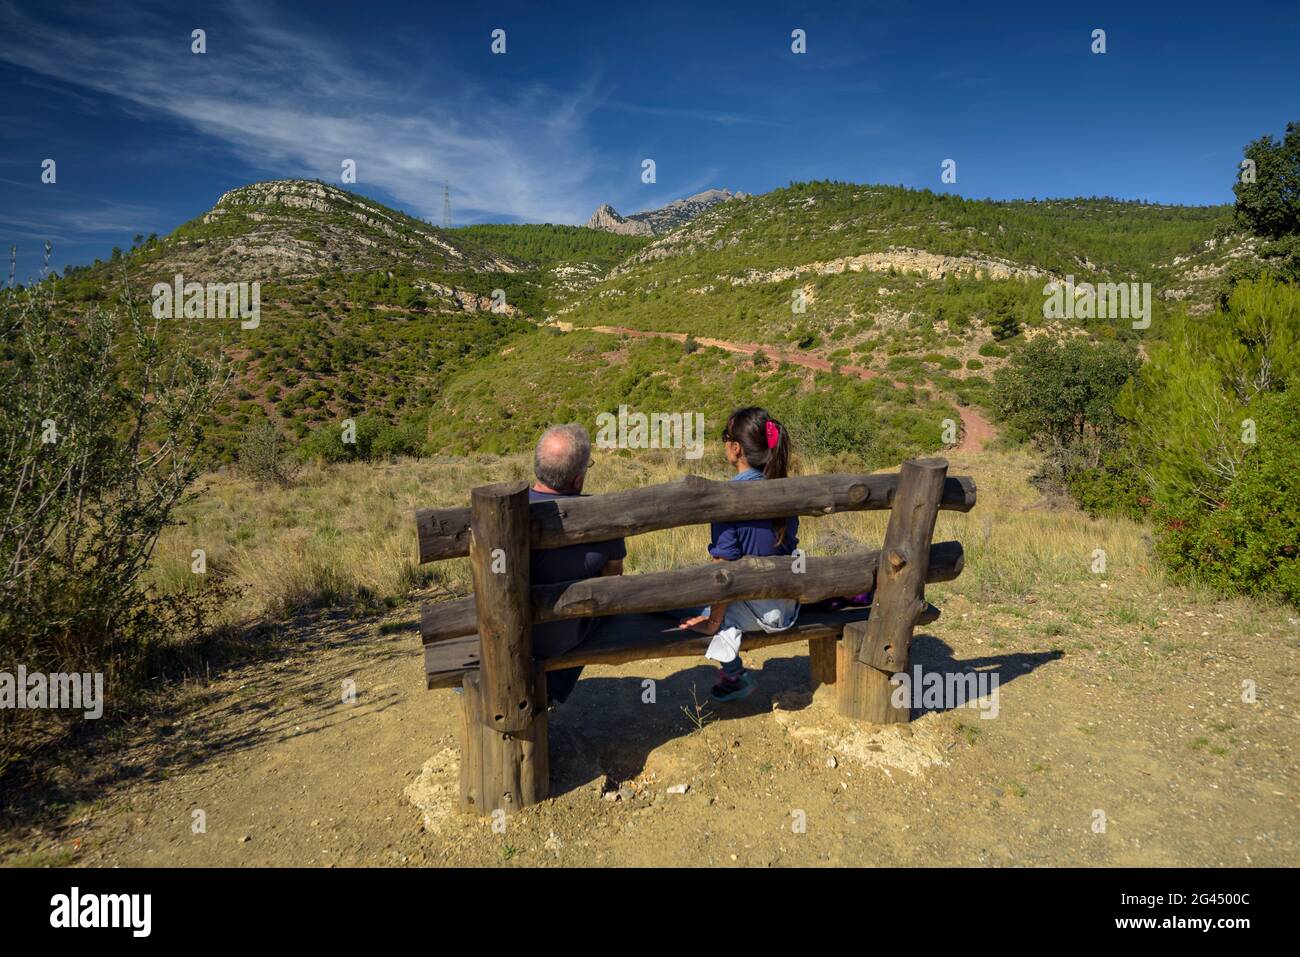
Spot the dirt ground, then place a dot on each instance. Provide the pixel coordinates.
(1111, 746)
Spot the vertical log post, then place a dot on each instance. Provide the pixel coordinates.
(821, 661)
(503, 708)
(500, 770)
(871, 651)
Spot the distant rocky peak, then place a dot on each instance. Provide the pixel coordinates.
(656, 222)
(608, 219)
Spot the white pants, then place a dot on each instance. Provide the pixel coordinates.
(759, 614)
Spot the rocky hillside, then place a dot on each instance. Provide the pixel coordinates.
(914, 285)
(289, 229)
(657, 222)
(812, 232)
(364, 311)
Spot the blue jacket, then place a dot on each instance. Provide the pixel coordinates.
(733, 540)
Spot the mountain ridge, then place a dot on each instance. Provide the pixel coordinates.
(297, 229)
(657, 222)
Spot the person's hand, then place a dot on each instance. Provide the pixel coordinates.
(700, 623)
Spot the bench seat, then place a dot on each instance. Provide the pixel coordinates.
(640, 638)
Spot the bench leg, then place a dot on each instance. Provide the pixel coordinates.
(821, 661)
(864, 692)
(501, 770)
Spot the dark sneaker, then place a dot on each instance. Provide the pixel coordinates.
(733, 689)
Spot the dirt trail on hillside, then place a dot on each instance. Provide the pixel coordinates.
(976, 428)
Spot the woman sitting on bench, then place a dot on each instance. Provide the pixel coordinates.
(758, 446)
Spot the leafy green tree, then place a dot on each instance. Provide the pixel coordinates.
(1270, 204)
(1004, 308)
(1268, 199)
(1057, 392)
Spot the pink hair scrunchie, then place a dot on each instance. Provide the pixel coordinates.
(773, 434)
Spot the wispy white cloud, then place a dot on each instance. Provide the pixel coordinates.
(56, 225)
(286, 100)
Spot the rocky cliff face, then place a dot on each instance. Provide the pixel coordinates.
(917, 262)
(656, 222)
(608, 219)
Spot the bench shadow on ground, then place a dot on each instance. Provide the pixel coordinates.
(606, 728)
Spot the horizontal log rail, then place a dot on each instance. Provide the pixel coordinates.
(665, 642)
(444, 532)
(823, 577)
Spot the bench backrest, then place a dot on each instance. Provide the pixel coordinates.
(500, 527)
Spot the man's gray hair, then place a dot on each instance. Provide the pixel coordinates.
(562, 455)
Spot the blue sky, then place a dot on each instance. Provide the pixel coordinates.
(147, 134)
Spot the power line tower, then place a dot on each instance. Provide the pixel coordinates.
(446, 205)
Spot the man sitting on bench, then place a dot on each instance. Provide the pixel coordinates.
(560, 464)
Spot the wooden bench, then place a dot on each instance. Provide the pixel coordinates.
(484, 643)
(642, 637)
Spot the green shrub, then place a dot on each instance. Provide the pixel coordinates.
(830, 424)
(897, 363)
(266, 456)
(992, 350)
(405, 439)
(805, 338)
(1187, 404)
(102, 421)
(974, 365)
(1224, 506)
(373, 439)
(340, 441)
(1250, 542)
